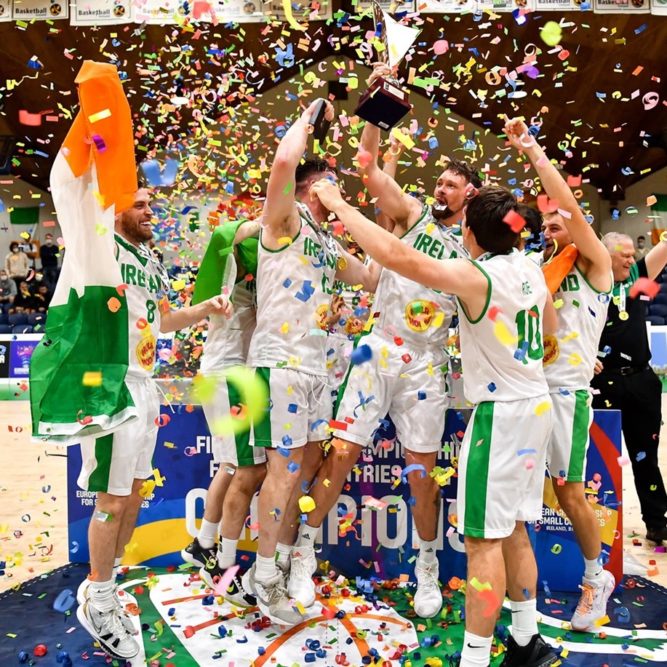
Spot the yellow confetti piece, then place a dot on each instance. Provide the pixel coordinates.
(92, 379)
(147, 488)
(479, 586)
(100, 115)
(178, 285)
(603, 620)
(159, 479)
(502, 333)
(558, 304)
(285, 240)
(405, 139)
(284, 328)
(542, 407)
(438, 320)
(289, 17)
(574, 359)
(306, 504)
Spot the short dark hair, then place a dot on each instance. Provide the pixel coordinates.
(311, 165)
(463, 169)
(14, 244)
(641, 236)
(533, 220)
(485, 216)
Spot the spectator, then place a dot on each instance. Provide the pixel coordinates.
(7, 291)
(641, 250)
(41, 297)
(624, 380)
(48, 253)
(30, 247)
(24, 301)
(17, 263)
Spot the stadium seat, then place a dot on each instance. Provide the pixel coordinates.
(40, 318)
(655, 320)
(658, 309)
(22, 329)
(5, 328)
(661, 298)
(18, 318)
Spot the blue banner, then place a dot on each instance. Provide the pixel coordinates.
(370, 533)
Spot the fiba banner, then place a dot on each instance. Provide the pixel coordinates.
(370, 533)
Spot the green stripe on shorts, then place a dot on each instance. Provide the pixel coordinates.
(99, 478)
(477, 470)
(262, 428)
(343, 384)
(580, 426)
(241, 440)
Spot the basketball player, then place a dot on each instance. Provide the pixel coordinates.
(241, 467)
(503, 300)
(298, 263)
(580, 268)
(406, 373)
(117, 464)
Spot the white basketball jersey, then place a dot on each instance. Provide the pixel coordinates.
(294, 287)
(501, 352)
(147, 283)
(228, 340)
(408, 310)
(569, 357)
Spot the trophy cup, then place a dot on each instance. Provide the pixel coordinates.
(386, 102)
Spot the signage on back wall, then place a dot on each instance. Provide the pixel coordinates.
(378, 536)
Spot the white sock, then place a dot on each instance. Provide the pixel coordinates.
(476, 650)
(207, 532)
(307, 535)
(427, 551)
(227, 553)
(524, 621)
(101, 594)
(265, 568)
(593, 569)
(283, 552)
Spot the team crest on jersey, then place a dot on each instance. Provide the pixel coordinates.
(526, 288)
(551, 350)
(146, 352)
(419, 315)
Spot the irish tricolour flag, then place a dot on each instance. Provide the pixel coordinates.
(77, 372)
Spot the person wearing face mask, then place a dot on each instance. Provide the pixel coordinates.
(49, 253)
(7, 290)
(625, 381)
(17, 263)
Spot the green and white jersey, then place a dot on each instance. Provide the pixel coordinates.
(408, 310)
(501, 350)
(147, 282)
(228, 340)
(569, 357)
(294, 286)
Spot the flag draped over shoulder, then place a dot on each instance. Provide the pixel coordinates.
(77, 372)
(218, 264)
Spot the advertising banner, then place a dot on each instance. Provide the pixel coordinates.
(370, 533)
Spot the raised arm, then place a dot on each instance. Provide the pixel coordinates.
(656, 259)
(454, 276)
(590, 247)
(390, 198)
(279, 206)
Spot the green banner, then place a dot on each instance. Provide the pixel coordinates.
(26, 215)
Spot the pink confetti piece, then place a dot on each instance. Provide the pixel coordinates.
(226, 579)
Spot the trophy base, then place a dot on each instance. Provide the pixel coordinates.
(383, 104)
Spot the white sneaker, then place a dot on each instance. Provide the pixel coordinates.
(593, 602)
(82, 594)
(272, 598)
(300, 584)
(428, 598)
(106, 628)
